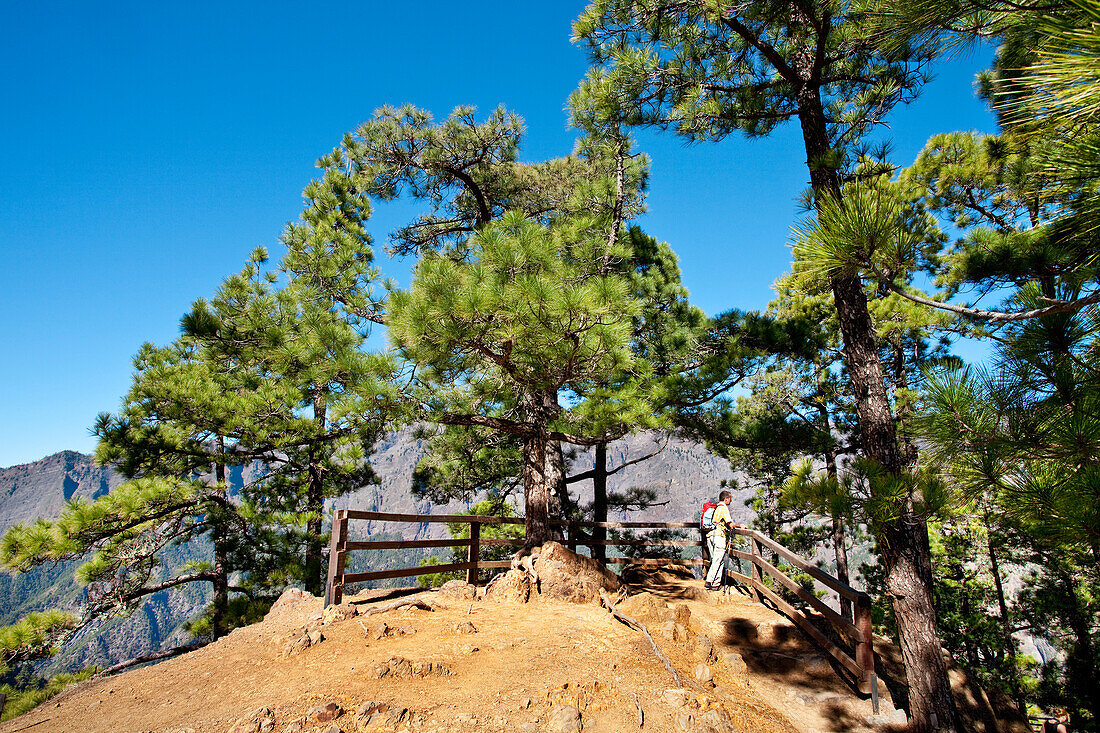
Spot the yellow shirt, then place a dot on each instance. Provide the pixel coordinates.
(721, 519)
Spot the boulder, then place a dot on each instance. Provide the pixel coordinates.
(290, 597)
(566, 576)
(465, 628)
(513, 586)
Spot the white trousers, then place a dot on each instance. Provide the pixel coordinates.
(717, 545)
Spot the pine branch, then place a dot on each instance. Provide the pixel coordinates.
(1059, 306)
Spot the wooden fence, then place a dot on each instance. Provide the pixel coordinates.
(860, 662)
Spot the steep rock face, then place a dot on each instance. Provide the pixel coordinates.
(39, 490)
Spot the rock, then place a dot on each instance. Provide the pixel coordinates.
(459, 590)
(260, 720)
(385, 718)
(643, 606)
(668, 629)
(704, 647)
(290, 597)
(296, 726)
(367, 709)
(704, 675)
(734, 663)
(682, 615)
(675, 697)
(401, 667)
(315, 638)
(383, 630)
(513, 586)
(564, 719)
(718, 720)
(334, 614)
(685, 721)
(334, 729)
(330, 710)
(466, 628)
(530, 728)
(567, 576)
(296, 646)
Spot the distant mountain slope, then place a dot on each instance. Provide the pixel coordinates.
(684, 474)
(39, 490)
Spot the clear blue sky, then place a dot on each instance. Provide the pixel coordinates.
(147, 148)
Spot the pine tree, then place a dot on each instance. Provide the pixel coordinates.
(706, 71)
(528, 315)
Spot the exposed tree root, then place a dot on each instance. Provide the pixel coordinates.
(639, 626)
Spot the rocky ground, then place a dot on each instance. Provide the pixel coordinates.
(470, 659)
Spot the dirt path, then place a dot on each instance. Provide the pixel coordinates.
(516, 672)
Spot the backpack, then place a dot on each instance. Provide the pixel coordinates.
(707, 520)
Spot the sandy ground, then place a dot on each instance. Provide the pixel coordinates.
(523, 662)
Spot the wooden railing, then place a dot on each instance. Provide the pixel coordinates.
(858, 630)
(339, 547)
(860, 663)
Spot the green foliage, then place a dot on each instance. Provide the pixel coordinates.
(461, 531)
(706, 69)
(241, 610)
(529, 306)
(966, 603)
(35, 636)
(23, 699)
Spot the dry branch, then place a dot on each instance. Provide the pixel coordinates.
(154, 657)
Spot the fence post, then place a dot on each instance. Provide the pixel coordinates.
(757, 569)
(334, 588)
(572, 541)
(865, 650)
(475, 553)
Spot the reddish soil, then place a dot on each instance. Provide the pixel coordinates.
(523, 660)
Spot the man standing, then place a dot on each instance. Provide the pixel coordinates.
(716, 542)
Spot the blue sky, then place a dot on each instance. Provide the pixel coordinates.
(147, 148)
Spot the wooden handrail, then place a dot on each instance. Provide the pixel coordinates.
(818, 574)
(430, 518)
(858, 629)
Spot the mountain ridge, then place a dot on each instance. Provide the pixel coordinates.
(684, 474)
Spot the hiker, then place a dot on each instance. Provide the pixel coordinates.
(1059, 723)
(717, 524)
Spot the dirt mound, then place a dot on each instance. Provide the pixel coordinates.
(436, 662)
(465, 665)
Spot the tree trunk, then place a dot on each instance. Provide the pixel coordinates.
(904, 540)
(315, 504)
(1082, 675)
(221, 564)
(1006, 622)
(904, 547)
(599, 501)
(543, 471)
(840, 550)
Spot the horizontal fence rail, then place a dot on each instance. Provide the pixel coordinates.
(860, 661)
